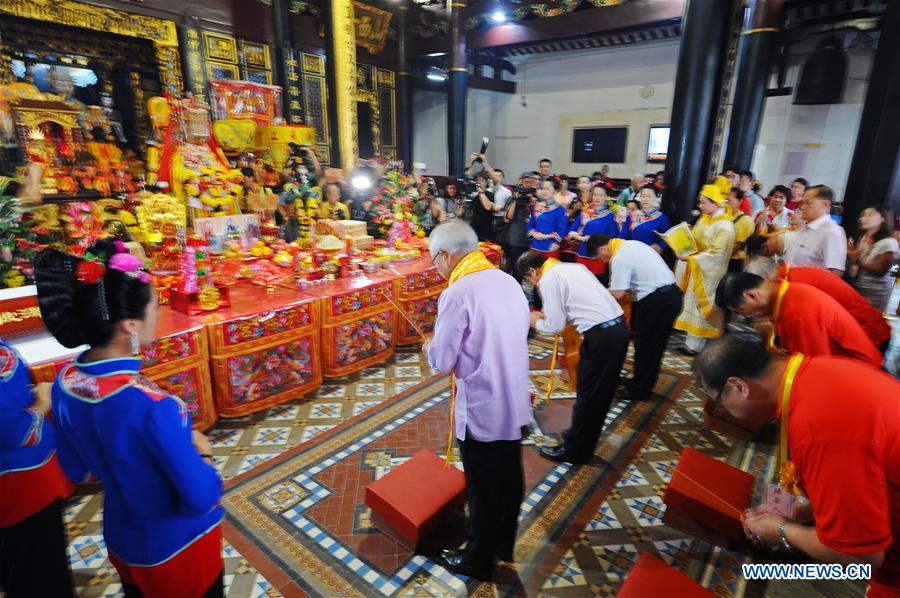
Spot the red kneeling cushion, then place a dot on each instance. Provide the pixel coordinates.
(698, 487)
(651, 576)
(412, 497)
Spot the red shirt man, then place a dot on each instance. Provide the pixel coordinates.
(848, 458)
(833, 285)
(810, 322)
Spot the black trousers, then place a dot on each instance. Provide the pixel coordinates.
(495, 488)
(651, 319)
(33, 559)
(601, 357)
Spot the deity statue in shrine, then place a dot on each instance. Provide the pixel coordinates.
(114, 118)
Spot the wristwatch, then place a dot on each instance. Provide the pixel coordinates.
(781, 536)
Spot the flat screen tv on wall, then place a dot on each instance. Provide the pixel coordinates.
(658, 144)
(602, 144)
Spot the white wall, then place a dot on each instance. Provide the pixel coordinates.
(526, 127)
(557, 92)
(815, 142)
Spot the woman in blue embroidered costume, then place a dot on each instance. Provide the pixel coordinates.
(162, 508)
(33, 559)
(549, 222)
(644, 225)
(595, 219)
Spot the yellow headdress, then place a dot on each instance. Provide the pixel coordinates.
(718, 191)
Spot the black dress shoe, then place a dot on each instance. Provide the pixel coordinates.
(625, 394)
(685, 351)
(455, 562)
(505, 555)
(561, 455)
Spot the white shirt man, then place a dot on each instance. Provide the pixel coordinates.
(638, 269)
(571, 294)
(822, 243)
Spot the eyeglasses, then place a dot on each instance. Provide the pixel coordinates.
(435, 257)
(717, 404)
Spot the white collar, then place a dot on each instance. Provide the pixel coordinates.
(819, 222)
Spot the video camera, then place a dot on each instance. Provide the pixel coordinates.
(467, 186)
(523, 195)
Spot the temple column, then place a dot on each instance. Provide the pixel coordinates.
(341, 76)
(459, 75)
(287, 71)
(875, 169)
(404, 99)
(701, 59)
(759, 41)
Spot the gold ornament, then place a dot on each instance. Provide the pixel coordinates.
(210, 298)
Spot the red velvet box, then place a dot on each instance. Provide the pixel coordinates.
(410, 501)
(651, 576)
(189, 303)
(706, 498)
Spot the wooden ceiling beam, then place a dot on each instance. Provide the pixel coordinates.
(627, 15)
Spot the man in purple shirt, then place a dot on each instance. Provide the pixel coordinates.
(481, 335)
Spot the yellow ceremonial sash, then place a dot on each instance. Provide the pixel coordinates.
(723, 215)
(787, 471)
(550, 263)
(474, 261)
(614, 245)
(776, 313)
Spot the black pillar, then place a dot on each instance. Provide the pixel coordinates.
(285, 60)
(404, 97)
(701, 59)
(759, 41)
(331, 85)
(459, 75)
(876, 160)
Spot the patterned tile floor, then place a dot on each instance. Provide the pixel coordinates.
(626, 523)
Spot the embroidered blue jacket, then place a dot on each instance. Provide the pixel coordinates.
(603, 223)
(27, 440)
(554, 222)
(645, 232)
(160, 495)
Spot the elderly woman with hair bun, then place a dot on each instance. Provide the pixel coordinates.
(161, 509)
(645, 225)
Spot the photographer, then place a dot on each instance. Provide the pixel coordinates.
(302, 156)
(481, 204)
(450, 205)
(518, 211)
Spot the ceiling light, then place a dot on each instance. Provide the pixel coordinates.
(436, 74)
(499, 16)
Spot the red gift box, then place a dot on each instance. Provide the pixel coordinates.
(707, 498)
(651, 576)
(411, 500)
(189, 303)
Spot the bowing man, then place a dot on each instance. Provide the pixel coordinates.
(871, 320)
(842, 423)
(638, 270)
(804, 319)
(571, 294)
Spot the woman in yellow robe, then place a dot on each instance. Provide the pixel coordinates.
(698, 275)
